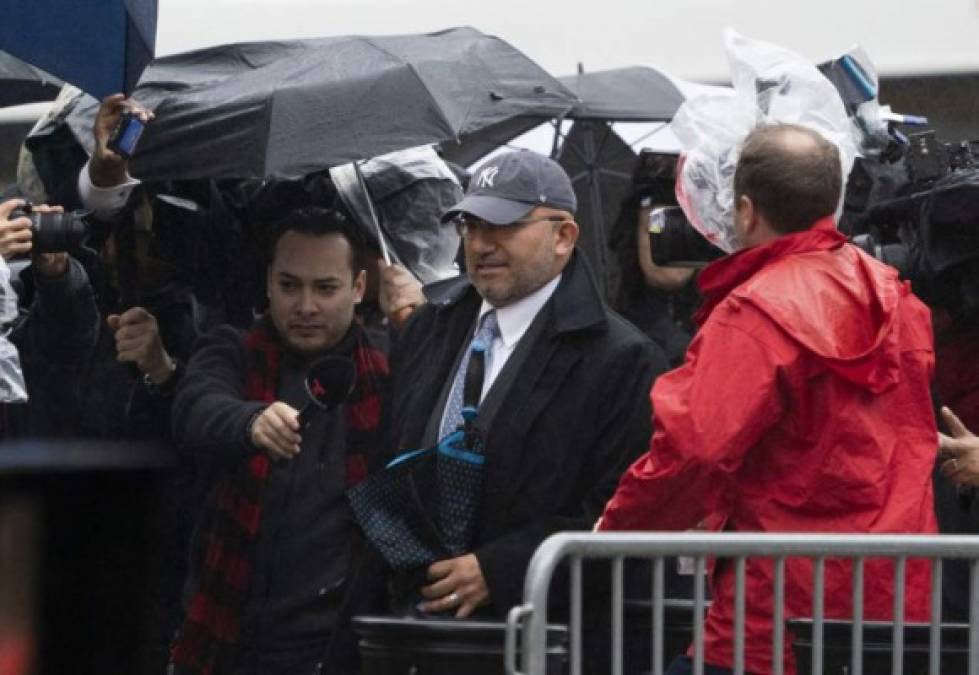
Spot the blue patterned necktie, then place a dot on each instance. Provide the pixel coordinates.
(488, 330)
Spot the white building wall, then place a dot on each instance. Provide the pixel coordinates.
(681, 36)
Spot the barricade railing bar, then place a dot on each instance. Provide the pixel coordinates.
(527, 623)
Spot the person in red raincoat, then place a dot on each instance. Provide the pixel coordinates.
(803, 404)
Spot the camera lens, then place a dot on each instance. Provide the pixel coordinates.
(674, 241)
(58, 231)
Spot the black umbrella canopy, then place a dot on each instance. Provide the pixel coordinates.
(633, 94)
(600, 165)
(285, 109)
(23, 83)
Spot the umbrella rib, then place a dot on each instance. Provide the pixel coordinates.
(625, 152)
(650, 134)
(601, 146)
(575, 150)
(615, 174)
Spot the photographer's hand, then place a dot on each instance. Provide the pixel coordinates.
(106, 168)
(276, 430)
(15, 235)
(138, 341)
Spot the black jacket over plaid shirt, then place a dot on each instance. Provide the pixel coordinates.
(230, 380)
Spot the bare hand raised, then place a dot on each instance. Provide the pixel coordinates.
(960, 451)
(107, 168)
(138, 341)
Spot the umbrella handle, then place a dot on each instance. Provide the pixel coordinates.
(373, 214)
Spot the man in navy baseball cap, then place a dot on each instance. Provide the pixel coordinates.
(564, 402)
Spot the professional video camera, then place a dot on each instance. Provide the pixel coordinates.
(920, 214)
(55, 231)
(673, 241)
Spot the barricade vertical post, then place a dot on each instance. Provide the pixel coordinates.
(778, 620)
(856, 635)
(974, 620)
(576, 590)
(819, 572)
(698, 616)
(658, 592)
(617, 618)
(513, 625)
(739, 615)
(935, 631)
(537, 583)
(897, 641)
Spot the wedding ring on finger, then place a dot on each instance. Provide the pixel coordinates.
(452, 597)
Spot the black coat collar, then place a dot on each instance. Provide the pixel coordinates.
(577, 303)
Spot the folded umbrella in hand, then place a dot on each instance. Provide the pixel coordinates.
(422, 507)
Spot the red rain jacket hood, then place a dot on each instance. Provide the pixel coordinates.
(820, 301)
(803, 406)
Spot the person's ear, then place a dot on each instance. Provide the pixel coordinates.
(746, 215)
(360, 285)
(566, 237)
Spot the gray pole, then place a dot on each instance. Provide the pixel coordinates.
(373, 214)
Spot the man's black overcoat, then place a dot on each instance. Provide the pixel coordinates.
(573, 419)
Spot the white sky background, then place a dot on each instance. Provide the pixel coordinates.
(681, 37)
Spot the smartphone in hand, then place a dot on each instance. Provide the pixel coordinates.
(126, 135)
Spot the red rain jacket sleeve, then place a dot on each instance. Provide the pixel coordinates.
(708, 414)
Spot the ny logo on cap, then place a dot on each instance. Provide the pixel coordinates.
(487, 176)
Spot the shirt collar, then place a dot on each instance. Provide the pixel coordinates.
(514, 319)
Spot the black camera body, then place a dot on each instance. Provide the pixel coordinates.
(675, 243)
(53, 232)
(924, 222)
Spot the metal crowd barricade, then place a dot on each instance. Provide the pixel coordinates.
(527, 623)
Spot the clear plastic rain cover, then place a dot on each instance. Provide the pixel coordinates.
(771, 84)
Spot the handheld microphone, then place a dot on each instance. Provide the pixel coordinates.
(329, 381)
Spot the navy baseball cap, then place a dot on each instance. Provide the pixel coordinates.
(508, 187)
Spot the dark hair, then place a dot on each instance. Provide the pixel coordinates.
(792, 184)
(316, 221)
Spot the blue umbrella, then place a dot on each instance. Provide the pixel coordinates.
(100, 46)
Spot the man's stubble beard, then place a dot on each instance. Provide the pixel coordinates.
(519, 288)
